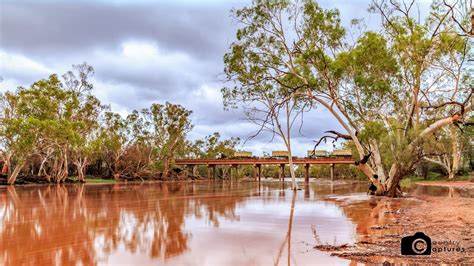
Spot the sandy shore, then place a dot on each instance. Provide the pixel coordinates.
(382, 222)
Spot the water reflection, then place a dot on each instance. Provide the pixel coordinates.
(209, 223)
(442, 191)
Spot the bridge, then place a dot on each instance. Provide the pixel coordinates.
(258, 162)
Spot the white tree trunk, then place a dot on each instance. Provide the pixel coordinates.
(456, 157)
(12, 178)
(378, 161)
(294, 185)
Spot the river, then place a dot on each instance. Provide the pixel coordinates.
(187, 223)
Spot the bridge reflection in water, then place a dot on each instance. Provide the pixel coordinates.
(204, 223)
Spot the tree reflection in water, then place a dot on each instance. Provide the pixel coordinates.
(78, 224)
(287, 239)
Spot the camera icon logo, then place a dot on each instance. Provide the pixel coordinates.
(417, 244)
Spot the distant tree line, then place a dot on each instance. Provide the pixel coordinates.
(57, 128)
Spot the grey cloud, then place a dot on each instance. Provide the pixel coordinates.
(40, 27)
(57, 34)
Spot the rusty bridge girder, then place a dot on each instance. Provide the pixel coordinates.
(264, 161)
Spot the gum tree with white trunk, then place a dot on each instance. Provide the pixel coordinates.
(380, 87)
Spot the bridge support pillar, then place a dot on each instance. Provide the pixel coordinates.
(254, 172)
(332, 172)
(306, 172)
(259, 171)
(281, 172)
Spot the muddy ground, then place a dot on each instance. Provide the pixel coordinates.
(382, 222)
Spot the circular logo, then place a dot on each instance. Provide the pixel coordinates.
(419, 246)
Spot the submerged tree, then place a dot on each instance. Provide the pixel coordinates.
(274, 109)
(379, 88)
(19, 135)
(255, 64)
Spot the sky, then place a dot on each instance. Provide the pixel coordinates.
(147, 52)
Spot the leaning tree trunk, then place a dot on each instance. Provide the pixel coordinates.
(43, 162)
(5, 168)
(392, 188)
(80, 166)
(6, 164)
(12, 178)
(65, 171)
(166, 167)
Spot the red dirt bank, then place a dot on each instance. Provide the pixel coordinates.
(382, 222)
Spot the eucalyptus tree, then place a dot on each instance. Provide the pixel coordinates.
(168, 126)
(272, 108)
(461, 14)
(18, 134)
(113, 140)
(445, 150)
(212, 146)
(54, 119)
(46, 104)
(84, 111)
(380, 88)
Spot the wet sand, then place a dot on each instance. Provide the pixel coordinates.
(380, 228)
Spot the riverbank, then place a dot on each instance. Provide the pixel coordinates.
(386, 221)
(409, 181)
(34, 180)
(457, 184)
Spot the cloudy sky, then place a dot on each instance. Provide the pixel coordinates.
(143, 52)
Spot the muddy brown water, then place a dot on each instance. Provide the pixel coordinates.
(200, 223)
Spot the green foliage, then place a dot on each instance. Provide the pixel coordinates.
(60, 122)
(382, 86)
(213, 147)
(373, 130)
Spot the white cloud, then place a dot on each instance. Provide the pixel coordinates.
(146, 53)
(208, 93)
(16, 68)
(8, 85)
